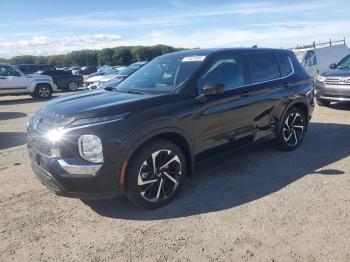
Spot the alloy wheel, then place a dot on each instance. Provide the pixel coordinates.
(72, 86)
(293, 129)
(44, 92)
(159, 175)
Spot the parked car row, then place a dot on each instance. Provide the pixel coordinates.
(41, 80)
(112, 77)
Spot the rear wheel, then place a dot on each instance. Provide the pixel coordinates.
(72, 86)
(322, 102)
(155, 174)
(43, 91)
(292, 130)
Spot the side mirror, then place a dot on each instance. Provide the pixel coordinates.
(333, 66)
(213, 89)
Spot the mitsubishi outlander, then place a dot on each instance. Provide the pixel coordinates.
(141, 138)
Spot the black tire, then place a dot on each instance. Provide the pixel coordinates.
(291, 130)
(72, 86)
(43, 91)
(142, 186)
(322, 102)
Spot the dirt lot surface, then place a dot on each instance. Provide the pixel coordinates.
(257, 204)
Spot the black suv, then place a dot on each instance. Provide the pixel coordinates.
(33, 68)
(141, 138)
(334, 85)
(64, 80)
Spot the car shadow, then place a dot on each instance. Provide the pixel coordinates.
(26, 100)
(12, 139)
(238, 177)
(340, 106)
(11, 115)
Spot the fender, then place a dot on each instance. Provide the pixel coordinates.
(289, 104)
(142, 136)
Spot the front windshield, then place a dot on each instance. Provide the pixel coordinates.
(163, 74)
(130, 69)
(344, 63)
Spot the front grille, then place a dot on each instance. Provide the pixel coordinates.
(39, 127)
(337, 81)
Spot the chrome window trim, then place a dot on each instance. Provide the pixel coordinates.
(279, 78)
(267, 81)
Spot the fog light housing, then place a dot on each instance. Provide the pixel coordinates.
(90, 148)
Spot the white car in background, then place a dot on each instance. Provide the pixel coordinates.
(105, 76)
(113, 80)
(14, 82)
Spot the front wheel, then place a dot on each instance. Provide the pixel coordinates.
(155, 174)
(72, 86)
(43, 91)
(292, 129)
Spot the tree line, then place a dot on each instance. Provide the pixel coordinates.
(122, 55)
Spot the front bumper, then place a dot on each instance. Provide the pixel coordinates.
(72, 176)
(336, 93)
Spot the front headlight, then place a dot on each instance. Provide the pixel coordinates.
(321, 79)
(97, 120)
(90, 148)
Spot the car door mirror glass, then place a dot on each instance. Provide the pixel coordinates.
(213, 89)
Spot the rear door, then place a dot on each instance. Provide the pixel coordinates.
(268, 84)
(11, 81)
(62, 78)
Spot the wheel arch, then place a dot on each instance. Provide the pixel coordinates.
(175, 135)
(300, 104)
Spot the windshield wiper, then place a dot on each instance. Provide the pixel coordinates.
(129, 91)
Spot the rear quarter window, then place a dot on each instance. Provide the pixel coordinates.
(285, 65)
(263, 67)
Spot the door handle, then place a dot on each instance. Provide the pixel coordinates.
(4, 77)
(245, 94)
(286, 85)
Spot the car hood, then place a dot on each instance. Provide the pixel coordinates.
(94, 78)
(108, 78)
(98, 103)
(337, 72)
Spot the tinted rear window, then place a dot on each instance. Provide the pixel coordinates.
(262, 67)
(283, 60)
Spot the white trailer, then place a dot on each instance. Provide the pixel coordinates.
(316, 58)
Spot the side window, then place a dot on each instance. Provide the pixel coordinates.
(8, 71)
(3, 71)
(284, 62)
(262, 67)
(227, 70)
(310, 58)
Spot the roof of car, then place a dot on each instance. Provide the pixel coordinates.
(33, 65)
(207, 51)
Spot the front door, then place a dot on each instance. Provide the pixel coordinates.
(223, 117)
(11, 81)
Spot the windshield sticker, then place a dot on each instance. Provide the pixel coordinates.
(193, 58)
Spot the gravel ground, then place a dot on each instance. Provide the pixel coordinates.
(256, 204)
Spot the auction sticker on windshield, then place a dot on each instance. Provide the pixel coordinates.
(193, 58)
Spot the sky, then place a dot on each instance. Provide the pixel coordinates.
(58, 27)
